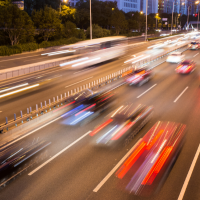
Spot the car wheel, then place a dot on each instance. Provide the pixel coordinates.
(141, 83)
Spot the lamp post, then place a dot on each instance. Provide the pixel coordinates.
(188, 18)
(197, 3)
(146, 21)
(90, 21)
(156, 19)
(172, 17)
(65, 1)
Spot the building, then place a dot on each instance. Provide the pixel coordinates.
(152, 6)
(20, 4)
(128, 5)
(166, 6)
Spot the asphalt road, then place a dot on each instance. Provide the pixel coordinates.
(55, 82)
(76, 170)
(34, 57)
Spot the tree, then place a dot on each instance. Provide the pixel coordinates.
(97, 31)
(5, 2)
(47, 22)
(30, 5)
(118, 21)
(17, 24)
(68, 13)
(70, 30)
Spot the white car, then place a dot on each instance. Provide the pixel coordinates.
(175, 57)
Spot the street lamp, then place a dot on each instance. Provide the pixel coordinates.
(141, 12)
(90, 21)
(65, 1)
(172, 18)
(146, 20)
(197, 2)
(156, 19)
(188, 18)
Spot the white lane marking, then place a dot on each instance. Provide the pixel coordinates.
(189, 175)
(34, 59)
(32, 77)
(180, 95)
(11, 88)
(9, 143)
(42, 165)
(115, 168)
(147, 90)
(195, 54)
(79, 82)
(18, 58)
(20, 90)
(81, 71)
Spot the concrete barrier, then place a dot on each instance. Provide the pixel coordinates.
(30, 68)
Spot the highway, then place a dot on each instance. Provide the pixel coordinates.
(33, 57)
(57, 81)
(76, 166)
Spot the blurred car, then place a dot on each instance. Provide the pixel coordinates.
(186, 67)
(122, 125)
(158, 30)
(89, 107)
(148, 165)
(16, 155)
(194, 45)
(164, 34)
(175, 57)
(139, 76)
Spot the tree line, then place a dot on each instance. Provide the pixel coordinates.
(43, 21)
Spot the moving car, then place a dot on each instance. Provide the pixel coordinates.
(175, 57)
(186, 67)
(152, 159)
(15, 156)
(89, 107)
(122, 124)
(194, 45)
(139, 76)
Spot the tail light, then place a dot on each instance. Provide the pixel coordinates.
(121, 132)
(100, 127)
(148, 180)
(85, 109)
(179, 67)
(189, 67)
(131, 160)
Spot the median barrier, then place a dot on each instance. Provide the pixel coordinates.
(30, 68)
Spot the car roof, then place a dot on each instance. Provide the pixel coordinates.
(178, 53)
(187, 61)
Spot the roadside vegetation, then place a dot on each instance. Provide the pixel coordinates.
(44, 24)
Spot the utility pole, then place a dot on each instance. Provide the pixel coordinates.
(188, 18)
(172, 18)
(146, 20)
(90, 21)
(198, 21)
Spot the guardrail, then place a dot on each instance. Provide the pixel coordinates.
(26, 69)
(30, 68)
(66, 98)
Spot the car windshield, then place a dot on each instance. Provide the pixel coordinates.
(175, 54)
(193, 42)
(186, 62)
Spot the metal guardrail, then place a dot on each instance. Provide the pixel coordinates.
(67, 98)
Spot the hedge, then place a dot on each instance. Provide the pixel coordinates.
(15, 49)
